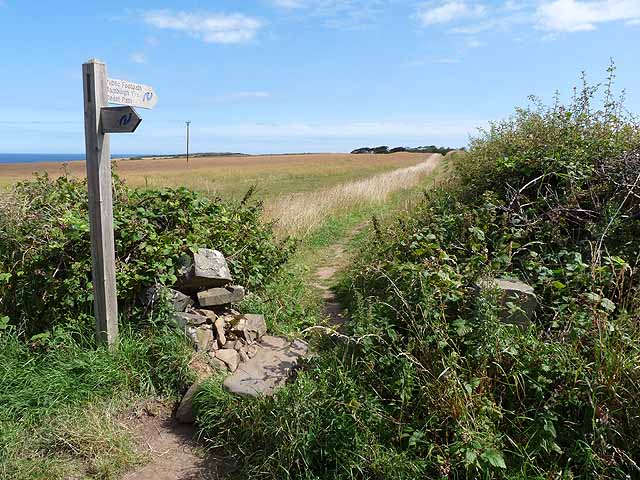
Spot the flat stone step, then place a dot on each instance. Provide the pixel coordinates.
(269, 369)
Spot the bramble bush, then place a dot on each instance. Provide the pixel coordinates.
(45, 256)
(430, 383)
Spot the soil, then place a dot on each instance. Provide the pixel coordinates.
(325, 275)
(173, 449)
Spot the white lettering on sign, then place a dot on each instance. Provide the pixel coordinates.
(123, 92)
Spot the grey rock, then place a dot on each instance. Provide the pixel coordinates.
(218, 326)
(517, 293)
(217, 363)
(207, 268)
(299, 347)
(185, 413)
(274, 342)
(252, 350)
(243, 355)
(204, 339)
(274, 361)
(178, 301)
(230, 345)
(215, 297)
(230, 357)
(191, 333)
(183, 319)
(211, 316)
(250, 327)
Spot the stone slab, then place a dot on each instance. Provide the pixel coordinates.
(274, 360)
(183, 319)
(516, 293)
(177, 300)
(250, 327)
(205, 269)
(185, 413)
(230, 357)
(215, 297)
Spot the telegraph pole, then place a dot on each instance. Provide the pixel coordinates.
(188, 123)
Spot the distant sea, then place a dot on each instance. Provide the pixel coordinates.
(50, 157)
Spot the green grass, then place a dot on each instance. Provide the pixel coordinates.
(60, 399)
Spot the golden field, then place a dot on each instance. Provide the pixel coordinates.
(232, 176)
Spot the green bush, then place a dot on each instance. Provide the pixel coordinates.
(430, 383)
(45, 256)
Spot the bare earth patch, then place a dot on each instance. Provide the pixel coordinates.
(172, 448)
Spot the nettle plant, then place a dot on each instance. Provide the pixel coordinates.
(45, 254)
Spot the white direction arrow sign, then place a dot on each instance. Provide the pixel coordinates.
(119, 119)
(129, 93)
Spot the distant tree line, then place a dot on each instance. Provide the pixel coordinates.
(423, 149)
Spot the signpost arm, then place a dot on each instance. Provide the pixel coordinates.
(94, 74)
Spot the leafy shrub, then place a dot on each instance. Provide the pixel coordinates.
(45, 256)
(430, 383)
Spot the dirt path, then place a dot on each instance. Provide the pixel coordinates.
(173, 449)
(335, 259)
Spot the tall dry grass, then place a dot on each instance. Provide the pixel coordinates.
(300, 213)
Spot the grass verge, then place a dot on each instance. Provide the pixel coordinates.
(61, 399)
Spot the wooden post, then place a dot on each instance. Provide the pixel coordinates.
(94, 74)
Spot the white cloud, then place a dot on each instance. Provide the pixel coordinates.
(345, 14)
(447, 61)
(138, 57)
(474, 43)
(450, 11)
(209, 27)
(289, 3)
(470, 17)
(576, 15)
(239, 96)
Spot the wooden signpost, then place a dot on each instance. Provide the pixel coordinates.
(119, 120)
(99, 121)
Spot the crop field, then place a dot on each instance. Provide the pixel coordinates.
(231, 176)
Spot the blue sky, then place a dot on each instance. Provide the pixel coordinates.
(303, 75)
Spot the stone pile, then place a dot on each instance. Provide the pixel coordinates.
(202, 303)
(202, 300)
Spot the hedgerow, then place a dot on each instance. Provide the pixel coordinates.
(45, 251)
(428, 382)
(57, 390)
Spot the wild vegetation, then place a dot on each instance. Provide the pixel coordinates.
(425, 381)
(45, 255)
(60, 394)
